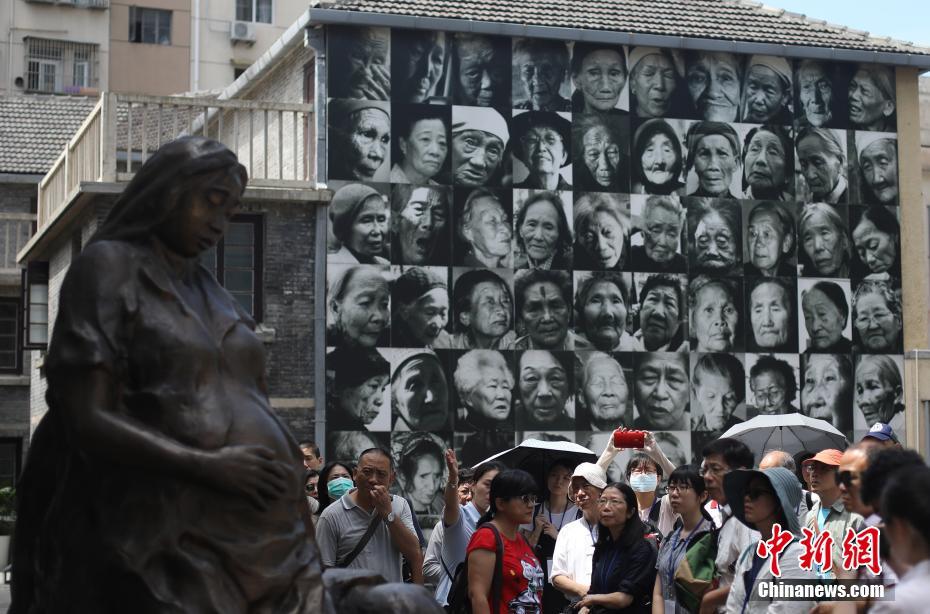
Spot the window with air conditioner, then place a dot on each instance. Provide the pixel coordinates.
(152, 26)
(259, 11)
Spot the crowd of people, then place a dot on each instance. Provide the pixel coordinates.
(576, 542)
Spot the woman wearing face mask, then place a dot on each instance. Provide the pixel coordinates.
(657, 159)
(644, 472)
(335, 481)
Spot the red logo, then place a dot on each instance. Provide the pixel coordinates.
(862, 550)
(816, 548)
(774, 546)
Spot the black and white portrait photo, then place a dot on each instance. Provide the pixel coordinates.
(715, 322)
(421, 472)
(768, 164)
(358, 302)
(483, 228)
(718, 390)
(358, 396)
(599, 74)
(827, 389)
(658, 242)
(347, 446)
(714, 84)
(662, 312)
(823, 238)
(877, 317)
(879, 394)
(772, 384)
(604, 399)
(544, 384)
(540, 75)
(600, 153)
(876, 239)
(481, 70)
(772, 315)
(421, 224)
(820, 90)
(360, 63)
(483, 309)
(602, 231)
(602, 302)
(479, 142)
(420, 307)
(714, 242)
(421, 144)
(542, 227)
(770, 249)
(657, 87)
(661, 391)
(658, 158)
(767, 97)
(872, 100)
(714, 160)
(420, 66)
(878, 167)
(473, 448)
(822, 161)
(542, 150)
(359, 140)
(359, 218)
(825, 307)
(419, 391)
(543, 310)
(484, 384)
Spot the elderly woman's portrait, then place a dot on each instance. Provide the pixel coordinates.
(484, 384)
(420, 149)
(481, 70)
(600, 146)
(824, 241)
(602, 231)
(420, 224)
(825, 307)
(876, 238)
(602, 304)
(483, 228)
(879, 393)
(599, 75)
(542, 148)
(604, 396)
(656, 82)
(657, 159)
(479, 142)
(543, 310)
(767, 95)
(877, 319)
(773, 384)
(712, 167)
(822, 160)
(421, 472)
(359, 217)
(359, 140)
(714, 242)
(658, 243)
(772, 313)
(357, 397)
(347, 446)
(540, 75)
(483, 310)
(420, 308)
(872, 97)
(718, 389)
(544, 391)
(542, 232)
(770, 239)
(358, 306)
(419, 65)
(768, 164)
(419, 391)
(663, 312)
(714, 84)
(715, 321)
(827, 389)
(661, 391)
(472, 448)
(819, 101)
(878, 167)
(360, 63)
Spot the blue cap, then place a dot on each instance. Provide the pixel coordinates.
(882, 432)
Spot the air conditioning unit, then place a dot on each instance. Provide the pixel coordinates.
(242, 32)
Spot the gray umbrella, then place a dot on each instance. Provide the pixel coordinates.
(792, 433)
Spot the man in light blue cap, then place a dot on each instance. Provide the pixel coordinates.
(760, 499)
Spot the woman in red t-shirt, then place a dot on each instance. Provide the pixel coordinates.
(513, 497)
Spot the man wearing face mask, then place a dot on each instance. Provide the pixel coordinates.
(644, 471)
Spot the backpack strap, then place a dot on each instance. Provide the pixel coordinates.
(497, 579)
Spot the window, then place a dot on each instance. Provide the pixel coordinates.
(253, 10)
(151, 26)
(56, 66)
(9, 336)
(11, 449)
(237, 262)
(35, 306)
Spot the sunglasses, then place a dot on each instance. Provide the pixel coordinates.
(755, 493)
(528, 499)
(846, 478)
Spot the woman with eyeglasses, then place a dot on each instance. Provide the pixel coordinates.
(624, 564)
(520, 579)
(687, 494)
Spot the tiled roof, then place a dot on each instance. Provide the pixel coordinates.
(35, 129)
(729, 20)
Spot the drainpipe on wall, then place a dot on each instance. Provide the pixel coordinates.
(195, 53)
(9, 55)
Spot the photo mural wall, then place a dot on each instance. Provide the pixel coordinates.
(538, 238)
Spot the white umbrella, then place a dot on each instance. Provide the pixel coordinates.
(792, 433)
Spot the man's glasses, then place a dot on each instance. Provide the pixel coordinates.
(846, 478)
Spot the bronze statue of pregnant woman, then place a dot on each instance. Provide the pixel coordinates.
(160, 480)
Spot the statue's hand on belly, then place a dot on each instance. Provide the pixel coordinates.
(248, 471)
